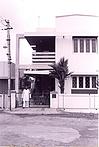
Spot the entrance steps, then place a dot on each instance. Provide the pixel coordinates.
(39, 106)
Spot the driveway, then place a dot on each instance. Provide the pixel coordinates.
(48, 130)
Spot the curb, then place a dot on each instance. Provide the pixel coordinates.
(59, 113)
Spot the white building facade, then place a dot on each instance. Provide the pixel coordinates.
(76, 38)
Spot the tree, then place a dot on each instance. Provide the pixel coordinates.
(60, 71)
(25, 82)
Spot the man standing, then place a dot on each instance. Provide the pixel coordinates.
(25, 96)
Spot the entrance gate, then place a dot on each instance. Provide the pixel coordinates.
(38, 100)
(41, 93)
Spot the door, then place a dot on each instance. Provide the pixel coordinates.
(41, 93)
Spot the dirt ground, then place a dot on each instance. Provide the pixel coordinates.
(48, 130)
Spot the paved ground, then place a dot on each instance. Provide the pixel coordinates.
(66, 130)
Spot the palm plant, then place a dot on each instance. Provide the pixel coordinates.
(60, 71)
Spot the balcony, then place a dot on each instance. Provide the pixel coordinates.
(43, 57)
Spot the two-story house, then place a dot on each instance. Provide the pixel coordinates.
(75, 38)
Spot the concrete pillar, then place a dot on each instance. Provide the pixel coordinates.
(18, 37)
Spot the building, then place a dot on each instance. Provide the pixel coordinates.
(4, 83)
(76, 38)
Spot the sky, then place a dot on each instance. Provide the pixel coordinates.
(26, 15)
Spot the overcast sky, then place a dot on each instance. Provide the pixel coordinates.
(23, 15)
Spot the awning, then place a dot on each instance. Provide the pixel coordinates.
(37, 72)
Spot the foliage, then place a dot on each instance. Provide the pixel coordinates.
(60, 71)
(25, 82)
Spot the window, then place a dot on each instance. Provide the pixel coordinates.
(75, 45)
(74, 82)
(93, 45)
(84, 82)
(81, 45)
(12, 84)
(87, 82)
(93, 82)
(80, 82)
(87, 45)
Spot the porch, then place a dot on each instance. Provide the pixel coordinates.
(40, 94)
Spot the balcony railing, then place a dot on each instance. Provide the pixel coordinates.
(43, 57)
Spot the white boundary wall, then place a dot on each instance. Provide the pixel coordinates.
(74, 101)
(1, 101)
(4, 102)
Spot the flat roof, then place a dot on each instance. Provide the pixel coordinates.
(76, 15)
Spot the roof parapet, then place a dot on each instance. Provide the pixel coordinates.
(76, 15)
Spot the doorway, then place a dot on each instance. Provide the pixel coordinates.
(41, 93)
